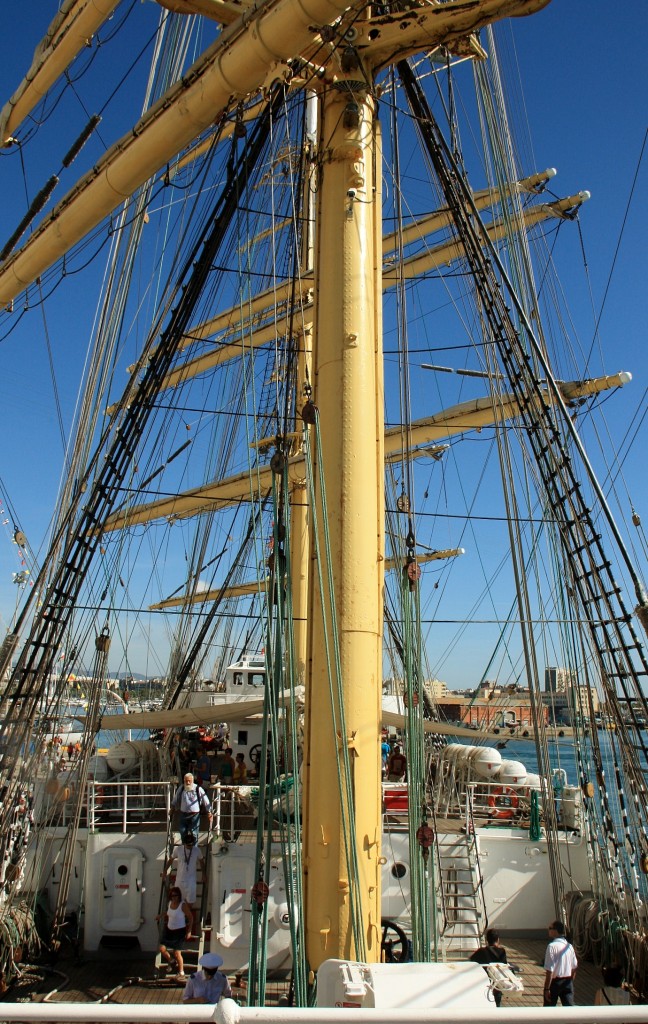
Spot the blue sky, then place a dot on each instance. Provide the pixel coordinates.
(586, 102)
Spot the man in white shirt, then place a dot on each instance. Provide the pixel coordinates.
(560, 965)
(188, 859)
(190, 799)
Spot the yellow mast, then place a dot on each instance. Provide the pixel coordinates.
(348, 391)
(341, 769)
(342, 800)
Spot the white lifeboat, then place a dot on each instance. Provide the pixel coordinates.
(126, 756)
(512, 773)
(484, 761)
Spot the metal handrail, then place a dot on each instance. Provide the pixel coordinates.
(229, 1012)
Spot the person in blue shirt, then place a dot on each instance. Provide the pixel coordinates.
(207, 985)
(203, 767)
(385, 751)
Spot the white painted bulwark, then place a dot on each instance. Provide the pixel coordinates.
(517, 885)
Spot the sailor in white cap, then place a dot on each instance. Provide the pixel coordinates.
(208, 984)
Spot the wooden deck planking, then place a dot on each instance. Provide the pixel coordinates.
(528, 954)
(124, 978)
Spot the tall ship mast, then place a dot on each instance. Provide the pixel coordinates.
(291, 203)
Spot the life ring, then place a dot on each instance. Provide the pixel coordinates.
(503, 802)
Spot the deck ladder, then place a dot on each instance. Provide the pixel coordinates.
(461, 910)
(193, 951)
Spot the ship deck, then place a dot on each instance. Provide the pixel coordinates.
(117, 976)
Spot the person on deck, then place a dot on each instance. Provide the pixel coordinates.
(226, 768)
(188, 859)
(184, 754)
(560, 965)
(492, 953)
(203, 767)
(612, 992)
(178, 922)
(240, 769)
(189, 799)
(385, 751)
(397, 765)
(207, 985)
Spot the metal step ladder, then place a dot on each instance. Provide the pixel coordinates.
(459, 894)
(201, 929)
(202, 915)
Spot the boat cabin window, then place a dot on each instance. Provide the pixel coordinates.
(398, 870)
(255, 679)
(242, 738)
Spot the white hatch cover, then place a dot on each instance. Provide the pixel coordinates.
(456, 986)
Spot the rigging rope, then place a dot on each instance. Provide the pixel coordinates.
(314, 464)
(112, 463)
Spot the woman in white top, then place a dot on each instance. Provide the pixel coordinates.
(178, 922)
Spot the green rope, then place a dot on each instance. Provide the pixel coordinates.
(290, 825)
(259, 909)
(335, 687)
(535, 832)
(274, 792)
(267, 791)
(415, 753)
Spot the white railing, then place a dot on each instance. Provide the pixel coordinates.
(229, 1012)
(492, 802)
(129, 804)
(489, 800)
(132, 803)
(114, 803)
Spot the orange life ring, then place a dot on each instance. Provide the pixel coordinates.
(503, 802)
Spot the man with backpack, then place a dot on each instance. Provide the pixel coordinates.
(492, 953)
(189, 800)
